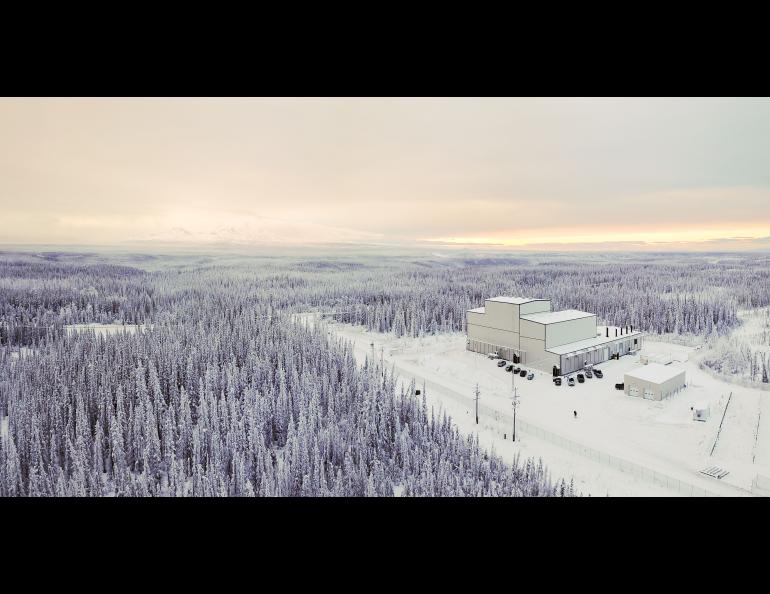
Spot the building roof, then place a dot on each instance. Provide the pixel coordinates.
(553, 317)
(590, 343)
(514, 300)
(477, 310)
(655, 372)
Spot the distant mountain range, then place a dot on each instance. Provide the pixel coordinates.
(259, 230)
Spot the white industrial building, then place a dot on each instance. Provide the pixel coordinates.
(654, 381)
(527, 331)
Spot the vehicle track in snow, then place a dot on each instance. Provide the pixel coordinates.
(761, 455)
(737, 437)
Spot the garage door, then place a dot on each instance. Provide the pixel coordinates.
(633, 390)
(648, 394)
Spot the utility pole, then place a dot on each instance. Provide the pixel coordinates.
(374, 361)
(477, 403)
(515, 403)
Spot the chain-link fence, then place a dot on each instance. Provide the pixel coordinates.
(637, 470)
(497, 420)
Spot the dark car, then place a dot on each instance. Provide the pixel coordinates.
(501, 363)
(581, 378)
(509, 367)
(571, 381)
(619, 386)
(523, 373)
(531, 376)
(598, 373)
(589, 373)
(517, 370)
(557, 381)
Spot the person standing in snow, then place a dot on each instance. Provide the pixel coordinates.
(574, 412)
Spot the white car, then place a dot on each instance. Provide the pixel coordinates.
(493, 355)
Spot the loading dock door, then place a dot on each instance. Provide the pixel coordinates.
(648, 394)
(633, 390)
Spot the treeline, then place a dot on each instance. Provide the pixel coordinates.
(38, 296)
(692, 295)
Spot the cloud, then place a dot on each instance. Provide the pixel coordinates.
(509, 171)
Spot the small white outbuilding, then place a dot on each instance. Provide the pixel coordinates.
(700, 411)
(654, 381)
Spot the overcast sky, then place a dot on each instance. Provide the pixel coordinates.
(510, 171)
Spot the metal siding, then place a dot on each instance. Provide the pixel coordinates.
(493, 335)
(535, 307)
(503, 316)
(532, 330)
(569, 331)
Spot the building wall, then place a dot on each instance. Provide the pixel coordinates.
(571, 362)
(504, 316)
(507, 353)
(533, 330)
(539, 306)
(485, 340)
(542, 360)
(656, 391)
(570, 331)
(534, 349)
(474, 318)
(500, 326)
(493, 335)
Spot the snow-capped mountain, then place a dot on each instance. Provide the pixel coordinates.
(262, 230)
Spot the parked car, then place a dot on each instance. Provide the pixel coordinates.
(417, 392)
(571, 381)
(589, 373)
(619, 386)
(531, 376)
(581, 378)
(517, 370)
(501, 363)
(523, 373)
(598, 373)
(493, 355)
(509, 367)
(557, 381)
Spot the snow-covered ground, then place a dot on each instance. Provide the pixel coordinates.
(104, 329)
(19, 352)
(659, 437)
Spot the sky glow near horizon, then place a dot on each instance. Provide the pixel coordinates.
(502, 172)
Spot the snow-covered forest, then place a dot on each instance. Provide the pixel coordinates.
(688, 294)
(744, 354)
(225, 393)
(224, 396)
